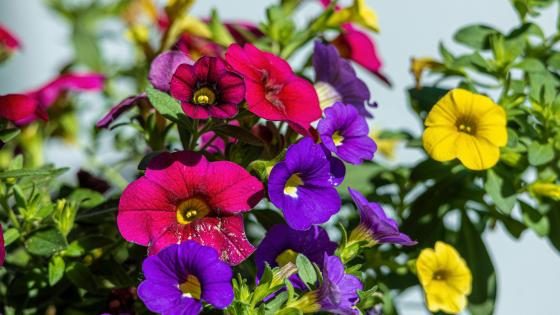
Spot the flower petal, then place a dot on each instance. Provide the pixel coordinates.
(476, 153)
(441, 142)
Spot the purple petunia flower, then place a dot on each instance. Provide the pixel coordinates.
(207, 89)
(282, 244)
(375, 227)
(338, 293)
(302, 186)
(344, 132)
(181, 276)
(336, 80)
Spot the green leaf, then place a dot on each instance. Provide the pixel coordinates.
(56, 269)
(273, 306)
(501, 191)
(81, 276)
(10, 235)
(8, 134)
(267, 218)
(167, 106)
(290, 311)
(85, 244)
(475, 36)
(484, 287)
(24, 172)
(306, 271)
(554, 221)
(540, 154)
(220, 33)
(86, 48)
(422, 100)
(535, 220)
(239, 133)
(46, 242)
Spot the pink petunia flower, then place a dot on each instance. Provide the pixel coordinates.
(357, 46)
(7, 40)
(207, 89)
(183, 197)
(27, 107)
(273, 90)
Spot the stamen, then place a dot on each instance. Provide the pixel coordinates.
(192, 209)
(466, 125)
(337, 138)
(191, 287)
(204, 96)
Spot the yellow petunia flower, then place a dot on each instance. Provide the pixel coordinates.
(419, 65)
(445, 277)
(358, 13)
(386, 147)
(467, 126)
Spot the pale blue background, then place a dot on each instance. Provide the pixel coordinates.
(528, 270)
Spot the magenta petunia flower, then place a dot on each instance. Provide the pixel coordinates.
(344, 132)
(282, 244)
(338, 82)
(303, 186)
(207, 89)
(375, 227)
(183, 197)
(121, 108)
(180, 277)
(273, 91)
(215, 144)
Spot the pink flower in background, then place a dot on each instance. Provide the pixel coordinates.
(27, 107)
(357, 46)
(216, 144)
(273, 90)
(7, 40)
(17, 108)
(183, 197)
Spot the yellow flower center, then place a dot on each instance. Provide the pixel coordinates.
(287, 256)
(466, 125)
(192, 209)
(204, 96)
(337, 138)
(292, 184)
(191, 287)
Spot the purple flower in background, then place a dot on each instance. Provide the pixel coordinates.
(338, 293)
(375, 227)
(344, 132)
(181, 276)
(336, 80)
(302, 186)
(282, 244)
(161, 72)
(164, 66)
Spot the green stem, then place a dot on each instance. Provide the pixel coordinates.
(11, 214)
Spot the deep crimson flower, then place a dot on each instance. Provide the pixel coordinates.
(207, 89)
(273, 91)
(183, 197)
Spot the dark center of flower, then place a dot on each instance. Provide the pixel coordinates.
(204, 96)
(272, 90)
(287, 256)
(191, 287)
(292, 185)
(466, 125)
(440, 275)
(192, 209)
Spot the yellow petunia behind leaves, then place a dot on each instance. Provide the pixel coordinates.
(467, 126)
(445, 277)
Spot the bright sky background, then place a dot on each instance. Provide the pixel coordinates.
(528, 270)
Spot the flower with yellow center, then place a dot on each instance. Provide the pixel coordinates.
(445, 277)
(192, 209)
(358, 13)
(467, 126)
